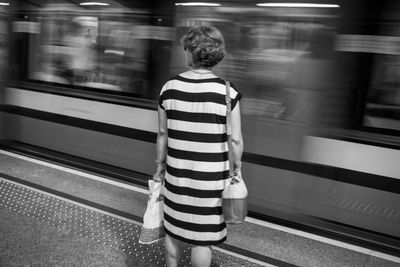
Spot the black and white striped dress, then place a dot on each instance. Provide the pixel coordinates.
(197, 158)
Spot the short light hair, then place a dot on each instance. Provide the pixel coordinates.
(206, 44)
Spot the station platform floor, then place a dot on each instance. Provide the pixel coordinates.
(52, 215)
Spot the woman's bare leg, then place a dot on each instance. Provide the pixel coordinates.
(201, 256)
(173, 250)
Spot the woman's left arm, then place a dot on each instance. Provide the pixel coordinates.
(162, 140)
(237, 138)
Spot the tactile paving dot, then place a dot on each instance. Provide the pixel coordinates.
(102, 228)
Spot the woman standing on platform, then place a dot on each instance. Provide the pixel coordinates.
(192, 148)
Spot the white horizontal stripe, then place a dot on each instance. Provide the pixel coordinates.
(136, 118)
(204, 87)
(194, 218)
(198, 236)
(197, 146)
(192, 201)
(353, 156)
(200, 166)
(195, 184)
(198, 107)
(196, 127)
(385, 256)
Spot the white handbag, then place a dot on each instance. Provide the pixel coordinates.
(234, 196)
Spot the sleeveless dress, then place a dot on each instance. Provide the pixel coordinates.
(197, 158)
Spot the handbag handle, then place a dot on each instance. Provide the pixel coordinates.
(228, 109)
(228, 102)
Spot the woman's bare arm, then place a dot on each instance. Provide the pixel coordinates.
(237, 138)
(162, 139)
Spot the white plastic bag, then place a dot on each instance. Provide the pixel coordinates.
(152, 228)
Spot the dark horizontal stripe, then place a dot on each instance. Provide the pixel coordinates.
(187, 191)
(208, 80)
(363, 141)
(192, 97)
(216, 80)
(195, 242)
(192, 209)
(82, 123)
(196, 175)
(385, 131)
(198, 156)
(328, 172)
(197, 137)
(383, 112)
(195, 227)
(195, 117)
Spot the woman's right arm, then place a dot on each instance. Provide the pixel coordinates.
(162, 139)
(237, 138)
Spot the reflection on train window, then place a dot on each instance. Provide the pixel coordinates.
(67, 50)
(101, 49)
(383, 104)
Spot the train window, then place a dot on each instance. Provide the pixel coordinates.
(106, 49)
(383, 102)
(66, 50)
(382, 107)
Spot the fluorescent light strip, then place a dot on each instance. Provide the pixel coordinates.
(297, 5)
(4, 4)
(93, 4)
(116, 52)
(197, 4)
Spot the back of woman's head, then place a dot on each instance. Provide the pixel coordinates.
(206, 45)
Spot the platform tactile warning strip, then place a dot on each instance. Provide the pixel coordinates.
(104, 228)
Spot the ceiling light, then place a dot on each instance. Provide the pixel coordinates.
(297, 5)
(197, 4)
(93, 4)
(4, 4)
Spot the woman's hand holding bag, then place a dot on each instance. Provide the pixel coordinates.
(160, 172)
(234, 196)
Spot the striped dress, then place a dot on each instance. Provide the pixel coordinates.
(197, 158)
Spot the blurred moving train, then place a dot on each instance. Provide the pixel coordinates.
(320, 85)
